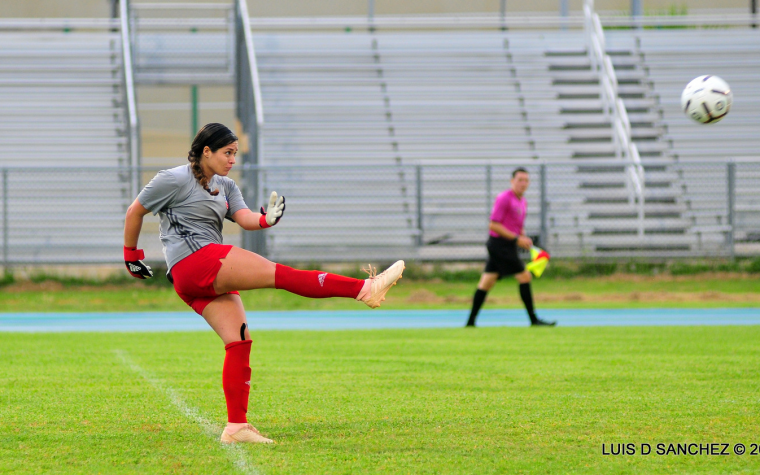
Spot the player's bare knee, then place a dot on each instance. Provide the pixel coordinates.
(487, 286)
(487, 281)
(244, 333)
(524, 277)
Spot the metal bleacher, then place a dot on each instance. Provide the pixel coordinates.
(398, 100)
(590, 206)
(674, 56)
(446, 98)
(488, 98)
(391, 137)
(323, 106)
(322, 100)
(63, 111)
(182, 42)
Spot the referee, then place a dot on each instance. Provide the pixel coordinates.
(506, 233)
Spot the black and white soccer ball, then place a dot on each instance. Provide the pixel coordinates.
(706, 99)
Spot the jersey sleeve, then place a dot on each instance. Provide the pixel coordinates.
(499, 209)
(160, 193)
(234, 199)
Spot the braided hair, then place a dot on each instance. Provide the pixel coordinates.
(214, 136)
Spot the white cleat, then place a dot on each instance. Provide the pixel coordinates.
(380, 284)
(247, 434)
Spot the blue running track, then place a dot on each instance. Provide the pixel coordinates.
(365, 319)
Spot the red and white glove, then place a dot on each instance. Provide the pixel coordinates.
(135, 266)
(274, 211)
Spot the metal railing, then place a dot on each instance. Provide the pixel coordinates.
(129, 93)
(349, 214)
(614, 110)
(250, 114)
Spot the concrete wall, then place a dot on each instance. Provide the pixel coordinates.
(102, 8)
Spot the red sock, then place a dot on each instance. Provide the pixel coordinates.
(236, 379)
(315, 283)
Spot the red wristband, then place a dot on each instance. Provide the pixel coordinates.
(132, 254)
(263, 221)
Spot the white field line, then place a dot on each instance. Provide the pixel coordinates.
(234, 452)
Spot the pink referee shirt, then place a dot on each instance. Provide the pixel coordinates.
(509, 210)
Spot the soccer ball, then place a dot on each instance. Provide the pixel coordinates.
(706, 99)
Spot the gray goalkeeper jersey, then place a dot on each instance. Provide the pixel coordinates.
(190, 216)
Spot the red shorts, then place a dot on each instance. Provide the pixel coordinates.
(194, 276)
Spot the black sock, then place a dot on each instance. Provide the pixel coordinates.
(477, 302)
(527, 298)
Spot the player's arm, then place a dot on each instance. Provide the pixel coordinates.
(499, 229)
(251, 221)
(132, 256)
(247, 219)
(133, 223)
(527, 242)
(523, 241)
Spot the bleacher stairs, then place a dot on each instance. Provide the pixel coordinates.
(592, 207)
(672, 58)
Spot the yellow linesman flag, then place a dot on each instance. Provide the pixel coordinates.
(538, 261)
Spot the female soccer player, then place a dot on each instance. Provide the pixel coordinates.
(192, 202)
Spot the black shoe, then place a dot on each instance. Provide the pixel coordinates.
(539, 323)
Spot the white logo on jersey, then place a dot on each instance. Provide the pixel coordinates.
(248, 383)
(321, 278)
(134, 268)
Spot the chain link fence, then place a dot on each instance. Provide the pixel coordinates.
(420, 211)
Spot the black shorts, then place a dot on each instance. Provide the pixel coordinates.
(502, 257)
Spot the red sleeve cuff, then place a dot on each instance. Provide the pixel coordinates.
(133, 254)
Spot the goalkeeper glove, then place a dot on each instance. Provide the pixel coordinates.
(135, 266)
(274, 211)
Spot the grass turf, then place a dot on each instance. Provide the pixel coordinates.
(626, 291)
(486, 400)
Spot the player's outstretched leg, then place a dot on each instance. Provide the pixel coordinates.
(376, 286)
(319, 284)
(315, 284)
(245, 270)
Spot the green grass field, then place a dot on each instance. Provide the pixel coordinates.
(488, 400)
(460, 401)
